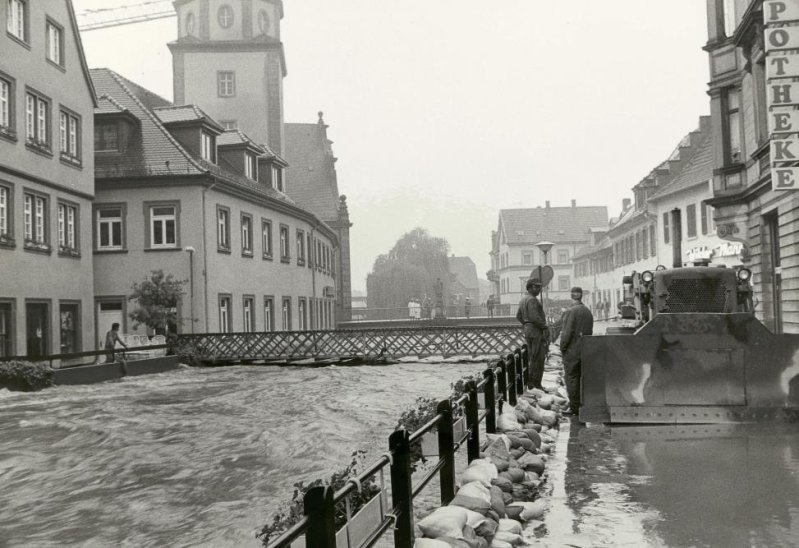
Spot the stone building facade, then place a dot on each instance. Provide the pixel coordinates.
(46, 181)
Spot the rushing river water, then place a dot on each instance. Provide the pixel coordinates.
(191, 457)
(204, 457)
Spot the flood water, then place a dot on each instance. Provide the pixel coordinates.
(204, 457)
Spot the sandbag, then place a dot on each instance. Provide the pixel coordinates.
(507, 498)
(473, 496)
(532, 463)
(510, 538)
(528, 445)
(504, 484)
(509, 526)
(483, 526)
(538, 393)
(518, 452)
(514, 512)
(500, 544)
(521, 416)
(480, 470)
(515, 441)
(545, 402)
(501, 464)
(549, 418)
(430, 543)
(505, 475)
(497, 501)
(498, 449)
(528, 510)
(534, 437)
(533, 414)
(507, 421)
(447, 521)
(515, 474)
(522, 403)
(492, 438)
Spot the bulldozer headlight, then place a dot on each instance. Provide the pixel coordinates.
(647, 276)
(744, 274)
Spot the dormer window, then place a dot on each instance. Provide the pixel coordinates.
(208, 147)
(277, 178)
(250, 166)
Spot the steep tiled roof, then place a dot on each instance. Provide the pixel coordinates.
(107, 105)
(184, 113)
(465, 271)
(698, 170)
(311, 176)
(237, 137)
(556, 224)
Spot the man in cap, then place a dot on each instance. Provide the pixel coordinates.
(577, 322)
(531, 315)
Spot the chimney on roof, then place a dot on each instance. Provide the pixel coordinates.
(574, 203)
(547, 202)
(625, 204)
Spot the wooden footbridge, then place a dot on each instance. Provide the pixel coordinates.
(342, 344)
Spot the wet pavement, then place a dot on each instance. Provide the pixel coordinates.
(708, 485)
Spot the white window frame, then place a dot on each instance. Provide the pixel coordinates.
(207, 146)
(54, 39)
(223, 228)
(246, 234)
(5, 103)
(5, 210)
(224, 314)
(266, 238)
(102, 142)
(37, 119)
(67, 221)
(301, 314)
(284, 243)
(285, 313)
(269, 314)
(226, 83)
(109, 222)
(247, 315)
(250, 166)
(35, 217)
(163, 219)
(68, 131)
(15, 18)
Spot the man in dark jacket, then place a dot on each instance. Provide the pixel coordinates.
(531, 315)
(577, 322)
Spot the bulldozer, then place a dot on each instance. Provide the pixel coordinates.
(691, 351)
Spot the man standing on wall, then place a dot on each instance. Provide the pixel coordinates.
(531, 315)
(577, 322)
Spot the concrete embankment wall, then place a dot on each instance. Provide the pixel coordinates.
(91, 374)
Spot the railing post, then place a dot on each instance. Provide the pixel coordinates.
(401, 488)
(503, 381)
(472, 422)
(510, 365)
(446, 451)
(517, 356)
(490, 401)
(318, 506)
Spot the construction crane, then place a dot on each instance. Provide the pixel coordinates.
(139, 12)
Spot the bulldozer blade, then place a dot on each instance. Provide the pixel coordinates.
(691, 368)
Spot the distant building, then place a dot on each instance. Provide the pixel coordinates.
(229, 58)
(464, 282)
(177, 192)
(515, 256)
(46, 181)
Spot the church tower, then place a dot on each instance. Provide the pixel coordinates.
(229, 60)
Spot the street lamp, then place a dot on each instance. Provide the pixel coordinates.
(190, 250)
(544, 246)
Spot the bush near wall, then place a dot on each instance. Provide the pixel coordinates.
(25, 376)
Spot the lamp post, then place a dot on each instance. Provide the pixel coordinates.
(544, 246)
(190, 250)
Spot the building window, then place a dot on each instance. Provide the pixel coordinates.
(666, 229)
(106, 137)
(208, 147)
(251, 167)
(35, 220)
(229, 124)
(286, 314)
(69, 129)
(163, 226)
(109, 228)
(37, 120)
(300, 248)
(5, 213)
(266, 238)
(225, 321)
(707, 219)
(247, 314)
(645, 242)
(225, 16)
(16, 19)
(67, 228)
(263, 21)
(563, 283)
(55, 43)
(223, 228)
(285, 255)
(563, 256)
(6, 328)
(269, 313)
(302, 314)
(310, 250)
(277, 178)
(246, 234)
(226, 83)
(690, 218)
(190, 23)
(527, 257)
(729, 17)
(652, 241)
(6, 106)
(69, 324)
(732, 126)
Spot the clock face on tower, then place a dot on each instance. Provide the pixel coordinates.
(263, 21)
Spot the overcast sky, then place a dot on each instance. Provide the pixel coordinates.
(443, 112)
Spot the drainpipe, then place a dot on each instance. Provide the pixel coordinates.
(311, 253)
(205, 253)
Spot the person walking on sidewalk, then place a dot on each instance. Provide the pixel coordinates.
(531, 315)
(577, 322)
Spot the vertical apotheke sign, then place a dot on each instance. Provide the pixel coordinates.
(781, 18)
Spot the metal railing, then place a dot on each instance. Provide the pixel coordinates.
(501, 383)
(74, 359)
